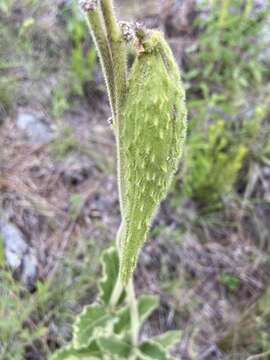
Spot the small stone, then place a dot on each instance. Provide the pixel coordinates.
(35, 126)
(30, 270)
(15, 246)
(266, 171)
(20, 257)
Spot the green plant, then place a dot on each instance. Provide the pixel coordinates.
(149, 122)
(214, 160)
(225, 63)
(5, 6)
(65, 143)
(231, 281)
(59, 100)
(16, 307)
(75, 204)
(83, 57)
(27, 321)
(7, 90)
(81, 60)
(152, 137)
(226, 113)
(103, 330)
(251, 332)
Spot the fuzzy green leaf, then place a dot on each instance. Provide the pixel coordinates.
(94, 320)
(91, 352)
(115, 347)
(168, 339)
(146, 305)
(151, 142)
(110, 270)
(149, 350)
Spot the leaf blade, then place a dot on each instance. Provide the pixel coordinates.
(168, 339)
(150, 350)
(146, 305)
(93, 318)
(91, 352)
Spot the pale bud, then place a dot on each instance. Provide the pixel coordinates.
(127, 31)
(88, 5)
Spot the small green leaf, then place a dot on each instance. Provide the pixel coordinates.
(27, 23)
(93, 319)
(231, 281)
(123, 323)
(91, 352)
(115, 347)
(110, 267)
(168, 339)
(75, 204)
(149, 350)
(146, 305)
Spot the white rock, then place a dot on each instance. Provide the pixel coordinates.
(20, 257)
(35, 126)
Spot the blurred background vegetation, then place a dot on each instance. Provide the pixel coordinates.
(208, 257)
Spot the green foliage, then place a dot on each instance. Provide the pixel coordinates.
(110, 265)
(152, 139)
(16, 308)
(25, 318)
(64, 144)
(26, 24)
(104, 332)
(83, 57)
(5, 6)
(151, 350)
(262, 320)
(146, 305)
(214, 160)
(231, 281)
(7, 95)
(149, 145)
(250, 334)
(59, 100)
(225, 78)
(225, 63)
(75, 203)
(80, 62)
(168, 339)
(115, 347)
(90, 352)
(94, 320)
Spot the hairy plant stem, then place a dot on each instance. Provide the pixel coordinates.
(118, 52)
(134, 314)
(112, 52)
(117, 292)
(224, 12)
(98, 32)
(118, 287)
(248, 8)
